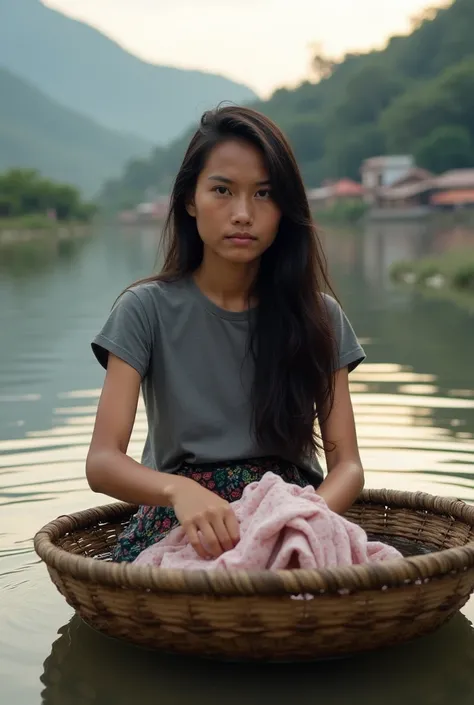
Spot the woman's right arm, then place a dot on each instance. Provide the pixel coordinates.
(111, 471)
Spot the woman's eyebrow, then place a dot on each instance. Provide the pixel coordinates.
(226, 180)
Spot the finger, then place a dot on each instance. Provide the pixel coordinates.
(232, 526)
(222, 533)
(193, 537)
(210, 538)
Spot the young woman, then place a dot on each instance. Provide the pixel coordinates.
(238, 351)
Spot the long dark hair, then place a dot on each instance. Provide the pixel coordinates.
(291, 339)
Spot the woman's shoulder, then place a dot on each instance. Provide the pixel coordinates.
(337, 317)
(350, 350)
(332, 305)
(155, 293)
(139, 315)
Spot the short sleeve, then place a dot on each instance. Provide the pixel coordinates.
(350, 351)
(126, 333)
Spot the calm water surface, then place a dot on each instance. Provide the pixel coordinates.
(414, 404)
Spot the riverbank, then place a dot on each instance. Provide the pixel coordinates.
(343, 213)
(28, 222)
(449, 275)
(28, 228)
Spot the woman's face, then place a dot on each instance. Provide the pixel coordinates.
(236, 216)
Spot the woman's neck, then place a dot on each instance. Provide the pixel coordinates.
(227, 284)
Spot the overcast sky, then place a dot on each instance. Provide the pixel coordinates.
(263, 43)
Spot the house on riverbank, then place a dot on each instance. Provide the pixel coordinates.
(409, 195)
(333, 193)
(419, 192)
(452, 190)
(146, 212)
(383, 172)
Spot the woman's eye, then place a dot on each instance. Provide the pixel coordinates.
(263, 193)
(221, 190)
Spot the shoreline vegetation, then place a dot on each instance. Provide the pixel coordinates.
(449, 276)
(350, 212)
(20, 230)
(32, 206)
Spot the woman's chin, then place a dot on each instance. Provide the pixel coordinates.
(240, 256)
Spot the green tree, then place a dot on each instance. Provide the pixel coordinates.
(322, 65)
(346, 153)
(307, 135)
(446, 100)
(446, 147)
(26, 192)
(369, 91)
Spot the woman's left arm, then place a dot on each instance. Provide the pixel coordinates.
(345, 478)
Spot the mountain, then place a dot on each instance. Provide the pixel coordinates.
(36, 132)
(82, 69)
(415, 96)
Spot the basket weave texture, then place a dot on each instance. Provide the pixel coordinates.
(251, 615)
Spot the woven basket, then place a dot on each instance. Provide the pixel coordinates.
(250, 615)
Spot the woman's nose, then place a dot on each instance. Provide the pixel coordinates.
(242, 214)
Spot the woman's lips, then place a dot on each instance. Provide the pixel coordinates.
(241, 238)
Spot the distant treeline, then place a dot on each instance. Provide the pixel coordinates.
(414, 97)
(24, 192)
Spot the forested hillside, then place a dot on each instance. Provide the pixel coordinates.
(415, 96)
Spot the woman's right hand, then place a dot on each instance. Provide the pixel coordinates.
(200, 511)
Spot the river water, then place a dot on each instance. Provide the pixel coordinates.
(414, 405)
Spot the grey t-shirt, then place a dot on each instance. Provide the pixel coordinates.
(196, 375)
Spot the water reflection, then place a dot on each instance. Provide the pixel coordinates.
(36, 257)
(85, 667)
(414, 407)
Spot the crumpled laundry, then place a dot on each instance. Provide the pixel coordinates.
(281, 525)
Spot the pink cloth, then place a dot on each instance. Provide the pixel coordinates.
(279, 522)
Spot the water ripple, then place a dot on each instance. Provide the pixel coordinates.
(404, 445)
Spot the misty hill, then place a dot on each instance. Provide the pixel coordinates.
(81, 68)
(36, 132)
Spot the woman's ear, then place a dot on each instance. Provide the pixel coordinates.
(191, 208)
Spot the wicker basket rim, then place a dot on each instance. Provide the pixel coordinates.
(376, 576)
